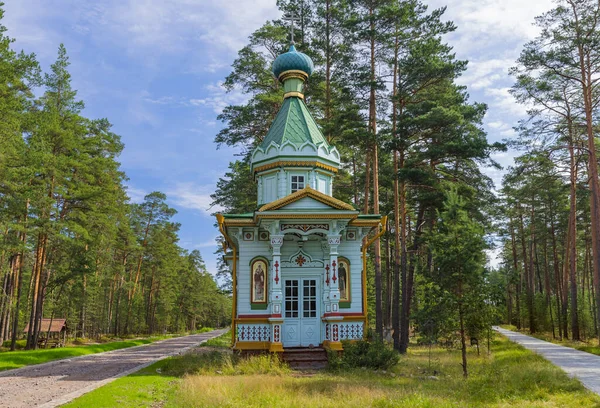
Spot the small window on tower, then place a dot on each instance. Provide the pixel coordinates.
(297, 183)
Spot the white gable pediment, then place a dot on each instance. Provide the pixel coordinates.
(306, 203)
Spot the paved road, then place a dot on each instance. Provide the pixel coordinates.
(584, 366)
(55, 383)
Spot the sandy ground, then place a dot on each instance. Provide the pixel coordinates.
(579, 364)
(55, 383)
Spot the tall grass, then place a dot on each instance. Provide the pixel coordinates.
(512, 376)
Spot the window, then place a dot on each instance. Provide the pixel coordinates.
(309, 308)
(291, 298)
(297, 183)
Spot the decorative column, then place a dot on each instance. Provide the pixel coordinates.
(332, 318)
(276, 295)
(334, 291)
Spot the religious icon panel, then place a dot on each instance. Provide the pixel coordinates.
(344, 279)
(259, 281)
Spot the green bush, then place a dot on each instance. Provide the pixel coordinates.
(369, 354)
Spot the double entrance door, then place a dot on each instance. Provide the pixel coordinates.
(301, 324)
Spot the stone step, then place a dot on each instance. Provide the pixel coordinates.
(304, 359)
(307, 365)
(304, 350)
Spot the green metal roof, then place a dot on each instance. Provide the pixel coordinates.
(245, 215)
(295, 124)
(369, 216)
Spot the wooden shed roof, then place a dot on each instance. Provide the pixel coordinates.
(57, 325)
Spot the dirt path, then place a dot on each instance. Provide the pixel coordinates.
(579, 364)
(55, 383)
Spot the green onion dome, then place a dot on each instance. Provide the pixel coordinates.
(293, 61)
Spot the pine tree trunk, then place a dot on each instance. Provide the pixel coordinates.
(463, 340)
(593, 181)
(397, 214)
(572, 248)
(516, 269)
(373, 130)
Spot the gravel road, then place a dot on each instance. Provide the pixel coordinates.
(54, 383)
(579, 364)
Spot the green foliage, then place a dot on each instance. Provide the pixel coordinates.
(91, 256)
(362, 353)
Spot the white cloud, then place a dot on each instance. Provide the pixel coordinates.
(205, 34)
(486, 72)
(218, 97)
(136, 195)
(193, 197)
(483, 25)
(502, 99)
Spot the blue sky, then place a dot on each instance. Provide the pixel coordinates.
(154, 67)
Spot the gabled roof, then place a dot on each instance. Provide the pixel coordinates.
(307, 192)
(295, 124)
(57, 325)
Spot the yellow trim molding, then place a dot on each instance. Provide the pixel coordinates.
(239, 223)
(276, 348)
(293, 93)
(333, 345)
(299, 163)
(293, 73)
(307, 192)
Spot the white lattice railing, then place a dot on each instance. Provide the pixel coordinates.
(351, 331)
(344, 331)
(253, 332)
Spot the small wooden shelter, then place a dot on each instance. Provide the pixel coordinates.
(55, 329)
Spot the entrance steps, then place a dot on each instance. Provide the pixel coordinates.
(304, 358)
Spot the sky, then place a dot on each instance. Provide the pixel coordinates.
(154, 68)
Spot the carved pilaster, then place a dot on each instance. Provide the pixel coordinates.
(333, 241)
(275, 292)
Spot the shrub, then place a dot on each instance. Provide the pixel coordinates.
(369, 354)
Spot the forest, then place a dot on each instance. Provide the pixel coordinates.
(414, 147)
(72, 244)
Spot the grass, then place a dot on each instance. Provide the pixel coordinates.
(589, 346)
(21, 358)
(510, 377)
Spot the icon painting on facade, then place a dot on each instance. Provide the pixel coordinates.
(259, 281)
(344, 279)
